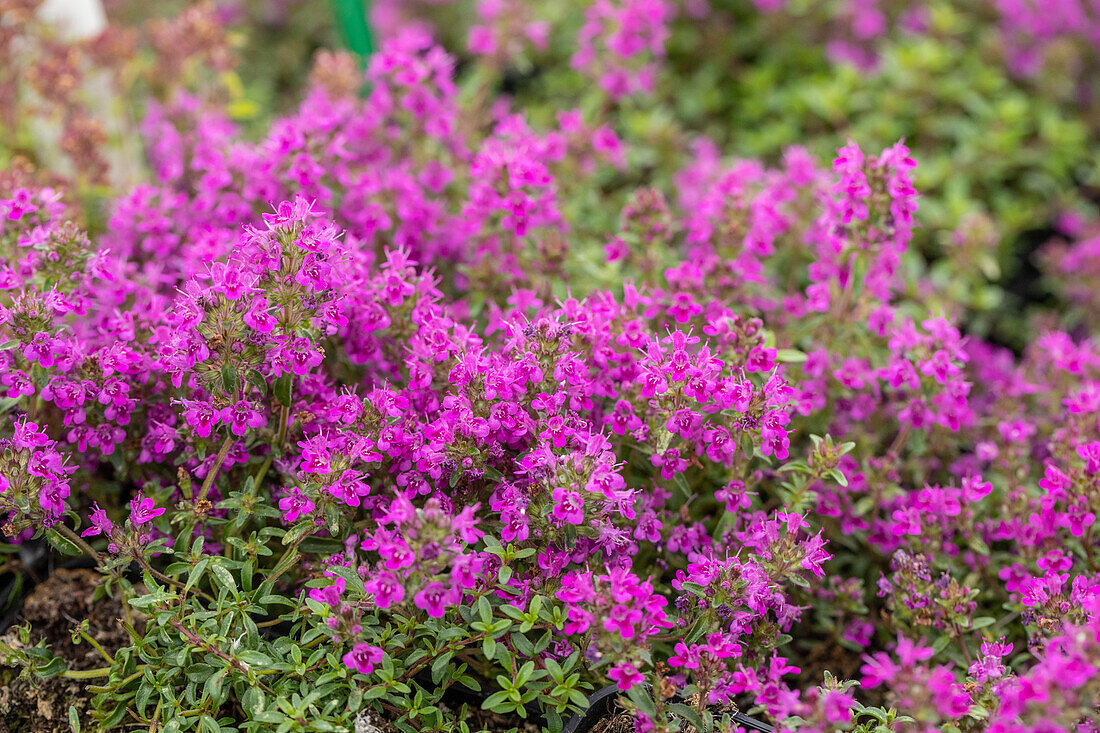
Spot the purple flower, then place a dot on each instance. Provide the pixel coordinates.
(241, 416)
(626, 676)
(1091, 453)
(143, 509)
(330, 594)
(201, 416)
(101, 524)
(568, 506)
(363, 657)
(387, 590)
(295, 504)
(434, 598)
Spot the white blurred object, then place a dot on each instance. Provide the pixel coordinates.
(77, 20)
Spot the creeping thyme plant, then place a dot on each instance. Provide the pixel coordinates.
(420, 401)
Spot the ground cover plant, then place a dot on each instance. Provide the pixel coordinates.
(490, 374)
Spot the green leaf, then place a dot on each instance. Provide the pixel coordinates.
(74, 719)
(230, 382)
(354, 582)
(798, 580)
(255, 658)
(982, 621)
(224, 578)
(791, 356)
(52, 668)
(640, 696)
(523, 644)
(321, 546)
(297, 532)
(681, 488)
(524, 674)
(688, 714)
(141, 699)
(695, 588)
(484, 610)
(257, 379)
(151, 599)
(439, 666)
(282, 389)
(555, 670)
(63, 544)
(498, 702)
(197, 572)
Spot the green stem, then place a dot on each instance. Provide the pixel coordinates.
(285, 561)
(102, 652)
(284, 421)
(196, 640)
(215, 468)
(154, 722)
(172, 581)
(962, 643)
(86, 674)
(263, 470)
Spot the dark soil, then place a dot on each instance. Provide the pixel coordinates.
(843, 663)
(831, 657)
(53, 610)
(619, 723)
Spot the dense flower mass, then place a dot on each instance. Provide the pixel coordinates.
(413, 391)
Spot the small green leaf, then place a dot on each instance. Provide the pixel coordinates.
(485, 611)
(791, 356)
(282, 389)
(689, 714)
(257, 379)
(230, 383)
(196, 574)
(63, 544)
(297, 532)
(223, 578)
(439, 666)
(524, 674)
(640, 696)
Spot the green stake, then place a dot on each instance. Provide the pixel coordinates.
(351, 19)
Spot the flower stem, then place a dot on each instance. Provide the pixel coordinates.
(172, 581)
(86, 674)
(102, 652)
(215, 468)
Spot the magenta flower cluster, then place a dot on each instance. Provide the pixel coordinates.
(759, 429)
